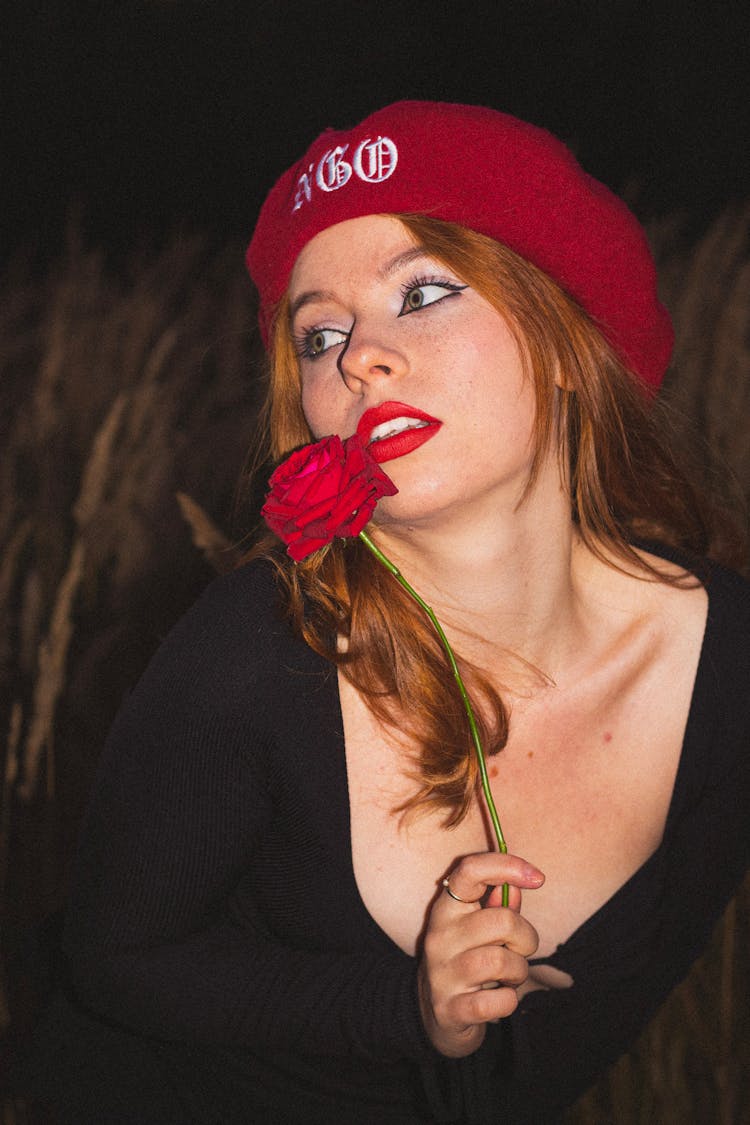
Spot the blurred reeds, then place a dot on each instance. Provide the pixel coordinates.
(128, 395)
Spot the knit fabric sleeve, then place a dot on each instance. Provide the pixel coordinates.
(154, 938)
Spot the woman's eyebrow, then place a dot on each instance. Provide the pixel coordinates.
(307, 298)
(400, 260)
(393, 265)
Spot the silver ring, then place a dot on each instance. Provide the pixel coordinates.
(447, 885)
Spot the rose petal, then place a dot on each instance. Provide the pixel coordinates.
(324, 491)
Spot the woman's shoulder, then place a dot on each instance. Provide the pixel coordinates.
(240, 610)
(233, 645)
(717, 743)
(726, 636)
(724, 592)
(726, 655)
(249, 588)
(727, 627)
(699, 617)
(728, 593)
(717, 578)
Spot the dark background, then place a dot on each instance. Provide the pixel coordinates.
(146, 115)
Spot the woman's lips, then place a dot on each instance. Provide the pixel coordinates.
(407, 439)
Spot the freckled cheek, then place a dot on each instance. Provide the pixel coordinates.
(322, 410)
(311, 408)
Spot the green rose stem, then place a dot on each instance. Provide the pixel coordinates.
(502, 846)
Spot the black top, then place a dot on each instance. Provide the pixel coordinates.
(215, 912)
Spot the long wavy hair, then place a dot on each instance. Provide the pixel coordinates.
(625, 486)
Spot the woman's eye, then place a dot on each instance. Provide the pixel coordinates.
(419, 294)
(316, 341)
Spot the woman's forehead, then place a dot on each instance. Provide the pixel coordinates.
(373, 243)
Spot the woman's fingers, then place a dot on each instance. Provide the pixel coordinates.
(495, 897)
(472, 876)
(491, 926)
(460, 997)
(476, 950)
(472, 1009)
(487, 965)
(455, 949)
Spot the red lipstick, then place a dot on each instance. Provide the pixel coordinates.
(399, 444)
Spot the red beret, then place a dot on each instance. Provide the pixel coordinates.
(491, 173)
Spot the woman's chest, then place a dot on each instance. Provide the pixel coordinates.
(583, 796)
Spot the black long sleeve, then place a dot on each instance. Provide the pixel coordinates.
(164, 933)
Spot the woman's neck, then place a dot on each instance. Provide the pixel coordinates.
(514, 586)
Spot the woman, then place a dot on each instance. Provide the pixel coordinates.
(288, 905)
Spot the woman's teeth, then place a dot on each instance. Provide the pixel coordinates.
(395, 426)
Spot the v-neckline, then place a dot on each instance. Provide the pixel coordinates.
(596, 918)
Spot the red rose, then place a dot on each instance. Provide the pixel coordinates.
(322, 492)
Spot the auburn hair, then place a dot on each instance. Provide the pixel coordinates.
(625, 486)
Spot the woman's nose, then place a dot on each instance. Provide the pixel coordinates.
(368, 358)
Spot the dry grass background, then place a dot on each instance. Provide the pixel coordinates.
(127, 396)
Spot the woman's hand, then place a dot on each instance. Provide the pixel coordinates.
(474, 956)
